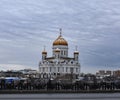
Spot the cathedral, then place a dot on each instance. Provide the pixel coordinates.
(60, 63)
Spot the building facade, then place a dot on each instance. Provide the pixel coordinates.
(59, 64)
(116, 73)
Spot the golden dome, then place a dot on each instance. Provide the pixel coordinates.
(60, 40)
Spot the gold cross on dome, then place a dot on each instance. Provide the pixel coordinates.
(60, 31)
(44, 47)
(76, 47)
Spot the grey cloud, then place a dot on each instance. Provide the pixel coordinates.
(27, 25)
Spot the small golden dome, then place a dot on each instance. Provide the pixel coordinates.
(57, 50)
(76, 52)
(44, 52)
(60, 40)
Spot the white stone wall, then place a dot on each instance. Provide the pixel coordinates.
(68, 67)
(60, 68)
(63, 50)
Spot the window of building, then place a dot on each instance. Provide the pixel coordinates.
(64, 52)
(43, 69)
(58, 73)
(61, 52)
(50, 69)
(71, 70)
(76, 69)
(58, 69)
(71, 62)
(63, 69)
(66, 69)
(40, 69)
(47, 69)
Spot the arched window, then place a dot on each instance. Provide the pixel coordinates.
(40, 69)
(63, 69)
(66, 69)
(43, 69)
(50, 69)
(64, 52)
(76, 69)
(61, 52)
(71, 62)
(58, 69)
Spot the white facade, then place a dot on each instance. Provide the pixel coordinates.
(59, 64)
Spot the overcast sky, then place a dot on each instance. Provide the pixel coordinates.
(27, 25)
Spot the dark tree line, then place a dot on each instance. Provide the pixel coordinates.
(47, 84)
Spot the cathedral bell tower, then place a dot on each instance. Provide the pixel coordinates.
(76, 55)
(44, 54)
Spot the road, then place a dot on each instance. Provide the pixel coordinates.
(56, 96)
